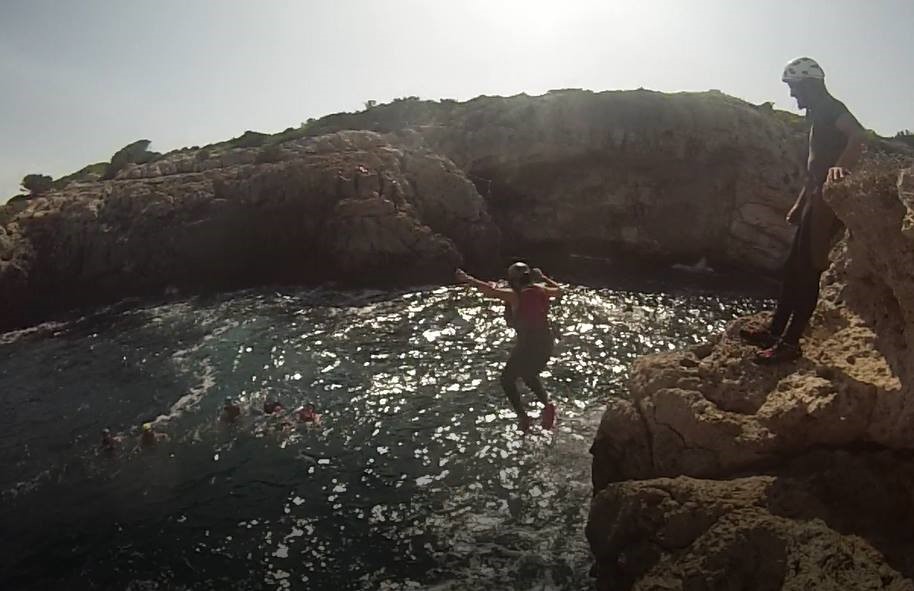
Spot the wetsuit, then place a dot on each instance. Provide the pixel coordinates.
(533, 346)
(818, 225)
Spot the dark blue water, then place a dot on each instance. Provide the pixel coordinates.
(415, 479)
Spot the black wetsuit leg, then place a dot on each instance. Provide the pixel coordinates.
(529, 357)
(786, 299)
(806, 296)
(799, 291)
(509, 376)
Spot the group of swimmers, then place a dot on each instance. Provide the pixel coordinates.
(231, 412)
(149, 437)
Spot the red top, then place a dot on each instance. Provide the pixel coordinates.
(533, 308)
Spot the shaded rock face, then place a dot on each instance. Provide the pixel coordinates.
(350, 206)
(667, 177)
(809, 526)
(711, 413)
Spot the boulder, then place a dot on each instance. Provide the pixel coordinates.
(825, 521)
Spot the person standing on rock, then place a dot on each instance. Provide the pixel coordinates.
(529, 316)
(835, 144)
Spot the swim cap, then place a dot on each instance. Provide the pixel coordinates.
(147, 426)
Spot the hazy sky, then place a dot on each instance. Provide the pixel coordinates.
(80, 79)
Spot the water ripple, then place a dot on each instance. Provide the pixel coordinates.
(415, 476)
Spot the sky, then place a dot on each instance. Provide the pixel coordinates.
(81, 79)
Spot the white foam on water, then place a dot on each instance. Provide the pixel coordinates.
(43, 329)
(188, 402)
(25, 486)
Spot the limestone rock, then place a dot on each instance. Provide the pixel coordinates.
(365, 234)
(582, 170)
(807, 526)
(710, 412)
(350, 206)
(618, 173)
(713, 410)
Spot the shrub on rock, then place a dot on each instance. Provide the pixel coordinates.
(133, 153)
(36, 184)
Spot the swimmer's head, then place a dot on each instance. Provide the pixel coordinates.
(147, 427)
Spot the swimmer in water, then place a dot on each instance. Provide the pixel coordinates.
(231, 411)
(109, 441)
(272, 406)
(306, 414)
(149, 437)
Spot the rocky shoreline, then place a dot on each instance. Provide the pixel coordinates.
(718, 473)
(348, 206)
(714, 473)
(403, 193)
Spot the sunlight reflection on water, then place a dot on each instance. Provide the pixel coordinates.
(415, 476)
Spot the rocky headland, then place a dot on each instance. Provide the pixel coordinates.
(403, 193)
(716, 473)
(711, 472)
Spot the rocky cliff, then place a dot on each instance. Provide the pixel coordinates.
(348, 206)
(632, 175)
(620, 172)
(717, 473)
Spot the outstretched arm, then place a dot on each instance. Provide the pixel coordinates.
(487, 289)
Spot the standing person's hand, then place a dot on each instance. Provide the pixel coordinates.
(537, 275)
(837, 174)
(793, 216)
(461, 276)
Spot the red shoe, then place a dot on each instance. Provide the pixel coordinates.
(780, 353)
(548, 418)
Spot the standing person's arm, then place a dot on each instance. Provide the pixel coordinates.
(793, 216)
(856, 138)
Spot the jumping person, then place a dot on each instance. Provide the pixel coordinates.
(835, 143)
(529, 315)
